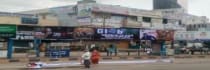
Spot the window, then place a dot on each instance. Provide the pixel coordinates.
(165, 21)
(180, 22)
(134, 18)
(147, 19)
(29, 20)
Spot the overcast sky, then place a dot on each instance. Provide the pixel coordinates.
(196, 7)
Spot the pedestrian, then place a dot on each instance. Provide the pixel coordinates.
(95, 57)
(86, 58)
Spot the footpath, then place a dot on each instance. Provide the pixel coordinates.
(75, 56)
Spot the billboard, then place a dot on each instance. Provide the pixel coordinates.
(54, 33)
(117, 33)
(148, 35)
(167, 35)
(84, 10)
(83, 33)
(184, 35)
(202, 35)
(110, 9)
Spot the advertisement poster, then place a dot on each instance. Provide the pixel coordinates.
(83, 33)
(117, 33)
(167, 35)
(54, 33)
(148, 35)
(202, 35)
(110, 9)
(84, 10)
(184, 35)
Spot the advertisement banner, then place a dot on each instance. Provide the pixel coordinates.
(202, 35)
(54, 33)
(83, 33)
(148, 35)
(8, 31)
(84, 20)
(167, 35)
(117, 33)
(84, 10)
(184, 35)
(110, 9)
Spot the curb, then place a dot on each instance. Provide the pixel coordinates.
(103, 58)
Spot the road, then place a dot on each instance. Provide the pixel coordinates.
(196, 64)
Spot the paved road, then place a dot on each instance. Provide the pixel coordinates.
(183, 64)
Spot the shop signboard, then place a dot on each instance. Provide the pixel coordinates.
(7, 31)
(53, 53)
(25, 35)
(84, 20)
(148, 34)
(29, 20)
(84, 10)
(117, 33)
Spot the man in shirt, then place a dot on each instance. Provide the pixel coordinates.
(86, 58)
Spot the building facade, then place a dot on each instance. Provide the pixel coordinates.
(88, 13)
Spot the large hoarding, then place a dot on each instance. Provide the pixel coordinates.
(148, 35)
(192, 35)
(110, 9)
(83, 33)
(117, 33)
(54, 33)
(202, 35)
(184, 35)
(167, 35)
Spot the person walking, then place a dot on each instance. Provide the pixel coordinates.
(95, 57)
(86, 58)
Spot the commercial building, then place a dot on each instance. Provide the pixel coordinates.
(170, 4)
(88, 13)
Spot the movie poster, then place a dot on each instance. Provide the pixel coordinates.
(148, 35)
(167, 35)
(83, 33)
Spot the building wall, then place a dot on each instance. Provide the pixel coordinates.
(9, 20)
(66, 15)
(48, 21)
(17, 20)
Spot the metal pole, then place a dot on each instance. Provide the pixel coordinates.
(10, 48)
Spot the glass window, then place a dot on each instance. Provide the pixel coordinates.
(147, 19)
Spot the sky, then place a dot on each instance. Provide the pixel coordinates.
(195, 7)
